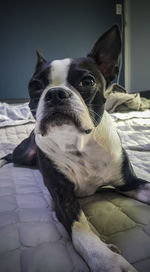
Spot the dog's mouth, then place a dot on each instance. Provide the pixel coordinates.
(58, 118)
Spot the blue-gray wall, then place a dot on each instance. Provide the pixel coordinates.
(58, 28)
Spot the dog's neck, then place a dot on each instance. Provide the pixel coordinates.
(66, 138)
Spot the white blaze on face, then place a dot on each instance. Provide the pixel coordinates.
(57, 77)
(59, 72)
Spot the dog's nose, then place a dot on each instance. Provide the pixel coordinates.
(54, 95)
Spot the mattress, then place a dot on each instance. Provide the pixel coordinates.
(31, 237)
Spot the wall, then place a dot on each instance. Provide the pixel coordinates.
(137, 52)
(59, 29)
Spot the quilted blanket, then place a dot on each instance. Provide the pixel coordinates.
(31, 237)
(11, 115)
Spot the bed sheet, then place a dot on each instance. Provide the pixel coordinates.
(32, 239)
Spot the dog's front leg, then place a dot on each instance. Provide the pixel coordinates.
(96, 253)
(133, 186)
(23, 154)
(140, 190)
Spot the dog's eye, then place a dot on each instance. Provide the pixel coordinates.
(36, 84)
(87, 81)
(36, 88)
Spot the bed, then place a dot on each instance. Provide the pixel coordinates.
(32, 239)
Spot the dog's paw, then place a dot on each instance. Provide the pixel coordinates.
(142, 193)
(3, 162)
(112, 262)
(121, 265)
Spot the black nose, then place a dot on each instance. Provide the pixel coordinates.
(55, 95)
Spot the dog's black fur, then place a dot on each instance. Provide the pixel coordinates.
(62, 190)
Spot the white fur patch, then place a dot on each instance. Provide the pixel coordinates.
(98, 163)
(59, 72)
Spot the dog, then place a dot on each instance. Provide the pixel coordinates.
(76, 145)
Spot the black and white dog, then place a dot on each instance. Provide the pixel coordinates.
(76, 144)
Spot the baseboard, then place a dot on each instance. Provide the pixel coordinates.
(15, 101)
(145, 94)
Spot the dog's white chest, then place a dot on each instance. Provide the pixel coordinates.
(85, 162)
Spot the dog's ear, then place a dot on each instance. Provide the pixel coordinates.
(36, 85)
(40, 61)
(106, 53)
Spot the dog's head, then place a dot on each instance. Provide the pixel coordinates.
(71, 91)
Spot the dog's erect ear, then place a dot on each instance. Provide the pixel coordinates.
(36, 85)
(40, 62)
(106, 53)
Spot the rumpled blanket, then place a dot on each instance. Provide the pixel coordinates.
(13, 115)
(118, 100)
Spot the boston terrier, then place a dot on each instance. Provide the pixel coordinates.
(76, 144)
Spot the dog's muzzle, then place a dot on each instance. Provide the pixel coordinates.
(59, 106)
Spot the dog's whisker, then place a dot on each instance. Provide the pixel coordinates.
(92, 117)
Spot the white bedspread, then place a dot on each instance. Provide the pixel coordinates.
(11, 115)
(134, 130)
(32, 239)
